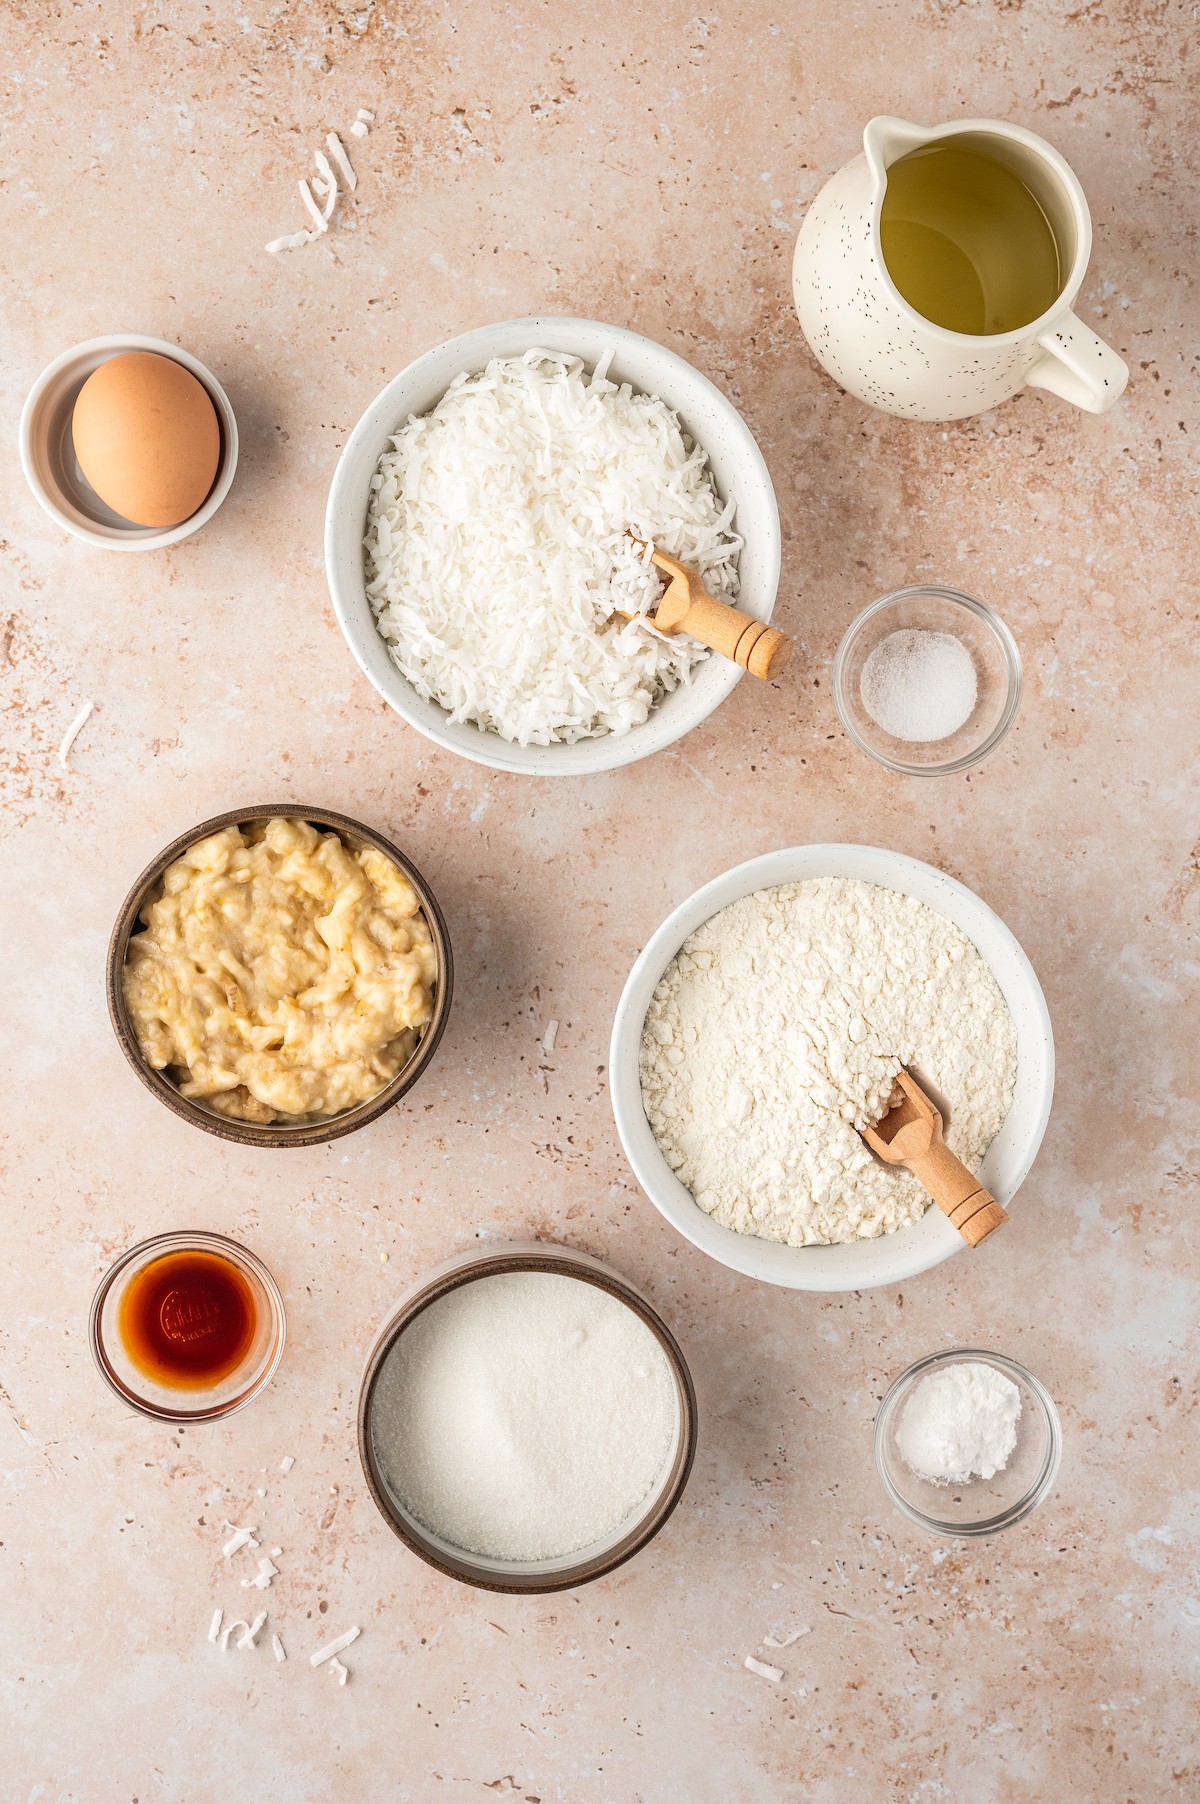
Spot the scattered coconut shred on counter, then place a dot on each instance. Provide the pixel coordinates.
(267, 1570)
(760, 1667)
(787, 1640)
(332, 1648)
(73, 731)
(499, 548)
(319, 194)
(239, 1538)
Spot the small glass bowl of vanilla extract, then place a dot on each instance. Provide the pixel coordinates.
(187, 1327)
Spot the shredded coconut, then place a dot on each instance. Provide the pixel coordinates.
(334, 1647)
(774, 1673)
(277, 1648)
(499, 546)
(959, 1423)
(338, 156)
(786, 1640)
(775, 1036)
(241, 1537)
(73, 731)
(325, 184)
(267, 1570)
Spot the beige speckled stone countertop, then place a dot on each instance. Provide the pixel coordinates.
(649, 166)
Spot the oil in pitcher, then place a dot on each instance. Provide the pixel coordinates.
(967, 242)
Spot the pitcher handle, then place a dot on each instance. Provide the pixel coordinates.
(1078, 366)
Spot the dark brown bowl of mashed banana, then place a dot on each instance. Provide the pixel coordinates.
(280, 975)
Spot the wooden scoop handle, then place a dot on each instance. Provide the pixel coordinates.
(973, 1210)
(760, 649)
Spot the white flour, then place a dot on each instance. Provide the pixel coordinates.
(776, 1034)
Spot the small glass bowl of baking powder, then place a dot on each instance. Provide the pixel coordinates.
(927, 681)
(978, 1505)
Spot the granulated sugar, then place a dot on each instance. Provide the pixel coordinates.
(524, 1416)
(919, 686)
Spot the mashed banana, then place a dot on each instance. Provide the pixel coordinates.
(281, 975)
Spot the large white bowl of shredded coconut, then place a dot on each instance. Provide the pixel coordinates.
(771, 1011)
(480, 536)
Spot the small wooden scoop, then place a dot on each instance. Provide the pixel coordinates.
(687, 607)
(911, 1134)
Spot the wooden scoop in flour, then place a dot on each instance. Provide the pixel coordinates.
(687, 607)
(911, 1134)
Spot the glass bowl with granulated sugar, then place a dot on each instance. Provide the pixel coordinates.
(927, 681)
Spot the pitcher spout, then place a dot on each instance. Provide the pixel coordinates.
(885, 139)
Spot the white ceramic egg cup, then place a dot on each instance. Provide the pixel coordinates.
(48, 451)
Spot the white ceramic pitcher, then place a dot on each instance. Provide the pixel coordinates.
(875, 344)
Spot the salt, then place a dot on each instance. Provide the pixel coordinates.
(959, 1423)
(919, 685)
(524, 1416)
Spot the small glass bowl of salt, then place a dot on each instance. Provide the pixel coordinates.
(967, 1442)
(927, 681)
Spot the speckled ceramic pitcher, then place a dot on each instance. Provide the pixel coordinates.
(875, 344)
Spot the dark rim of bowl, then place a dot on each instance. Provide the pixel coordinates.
(245, 1133)
(541, 1583)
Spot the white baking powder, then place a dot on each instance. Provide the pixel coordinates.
(776, 1034)
(524, 1416)
(959, 1423)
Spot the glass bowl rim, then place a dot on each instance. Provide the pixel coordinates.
(1009, 651)
(186, 1240)
(1024, 1505)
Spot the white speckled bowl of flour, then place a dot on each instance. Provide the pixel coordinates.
(896, 1253)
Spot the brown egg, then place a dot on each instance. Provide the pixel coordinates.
(147, 438)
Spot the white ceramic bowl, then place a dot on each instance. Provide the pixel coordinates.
(858, 1264)
(738, 470)
(48, 454)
